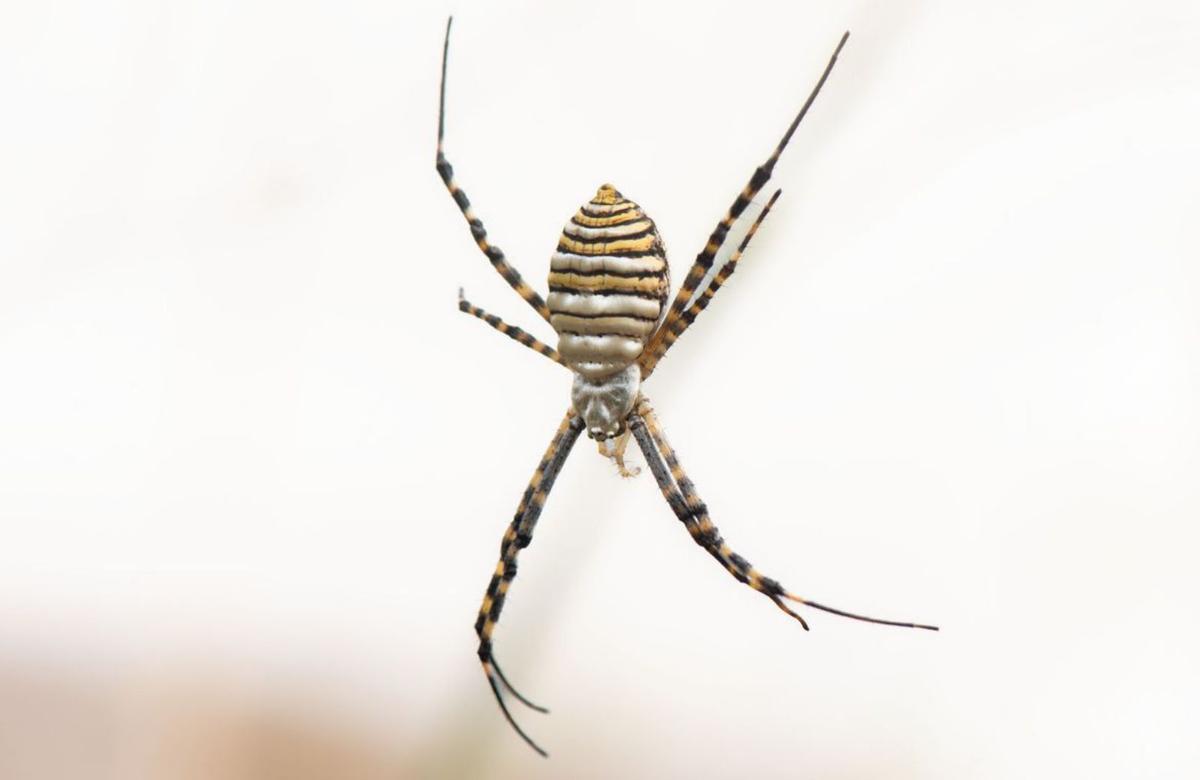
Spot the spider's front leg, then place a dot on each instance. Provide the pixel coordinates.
(676, 322)
(494, 254)
(516, 538)
(685, 502)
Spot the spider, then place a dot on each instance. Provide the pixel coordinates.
(609, 284)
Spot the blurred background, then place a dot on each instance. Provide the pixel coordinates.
(255, 467)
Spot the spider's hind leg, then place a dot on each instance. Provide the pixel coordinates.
(681, 494)
(516, 538)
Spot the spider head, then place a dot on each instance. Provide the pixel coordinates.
(605, 403)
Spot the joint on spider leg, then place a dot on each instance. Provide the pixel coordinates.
(709, 537)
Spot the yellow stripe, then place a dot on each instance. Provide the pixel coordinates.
(643, 244)
(615, 219)
(650, 284)
(609, 231)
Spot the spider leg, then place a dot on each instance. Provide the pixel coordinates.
(514, 691)
(681, 494)
(516, 538)
(676, 329)
(716, 240)
(494, 254)
(512, 331)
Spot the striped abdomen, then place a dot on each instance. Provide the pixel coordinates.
(608, 285)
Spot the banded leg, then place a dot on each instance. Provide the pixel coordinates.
(517, 538)
(676, 329)
(494, 254)
(691, 511)
(512, 331)
(716, 240)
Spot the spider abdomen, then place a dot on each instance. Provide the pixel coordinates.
(608, 285)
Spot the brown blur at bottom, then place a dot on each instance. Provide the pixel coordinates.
(182, 727)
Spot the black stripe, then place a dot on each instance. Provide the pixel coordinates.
(631, 293)
(445, 169)
(601, 316)
(600, 335)
(621, 274)
(655, 251)
(628, 204)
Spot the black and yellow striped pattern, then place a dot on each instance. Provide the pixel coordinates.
(494, 254)
(609, 283)
(691, 511)
(704, 260)
(681, 495)
(516, 538)
(673, 329)
(512, 331)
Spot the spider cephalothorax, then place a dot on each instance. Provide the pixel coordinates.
(609, 288)
(604, 403)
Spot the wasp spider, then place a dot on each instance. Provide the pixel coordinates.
(608, 303)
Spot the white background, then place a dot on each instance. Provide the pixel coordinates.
(254, 466)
